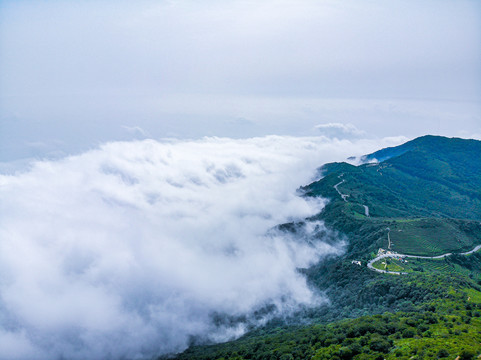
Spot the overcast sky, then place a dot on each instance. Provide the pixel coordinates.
(75, 74)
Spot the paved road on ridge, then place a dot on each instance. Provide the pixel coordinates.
(369, 264)
(344, 196)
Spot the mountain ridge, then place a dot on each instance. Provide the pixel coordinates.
(449, 183)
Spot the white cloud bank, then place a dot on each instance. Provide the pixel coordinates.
(127, 251)
(340, 131)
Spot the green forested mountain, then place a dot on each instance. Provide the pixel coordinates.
(422, 198)
(428, 176)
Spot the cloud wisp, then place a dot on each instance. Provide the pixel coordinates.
(136, 248)
(339, 130)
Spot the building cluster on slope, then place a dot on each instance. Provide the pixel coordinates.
(385, 252)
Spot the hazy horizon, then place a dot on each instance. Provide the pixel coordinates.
(75, 75)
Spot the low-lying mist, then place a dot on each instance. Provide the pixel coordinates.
(131, 250)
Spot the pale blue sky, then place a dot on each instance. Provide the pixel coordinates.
(75, 74)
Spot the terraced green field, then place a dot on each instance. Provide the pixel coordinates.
(431, 237)
(428, 265)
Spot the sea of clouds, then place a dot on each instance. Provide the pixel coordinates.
(134, 249)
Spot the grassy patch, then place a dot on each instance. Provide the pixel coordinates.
(380, 264)
(473, 295)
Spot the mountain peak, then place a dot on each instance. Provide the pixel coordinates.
(430, 143)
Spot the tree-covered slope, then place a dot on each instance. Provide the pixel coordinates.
(436, 316)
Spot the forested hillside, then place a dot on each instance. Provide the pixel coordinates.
(429, 176)
(421, 198)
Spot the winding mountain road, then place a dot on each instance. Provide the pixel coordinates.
(369, 264)
(345, 196)
(366, 210)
